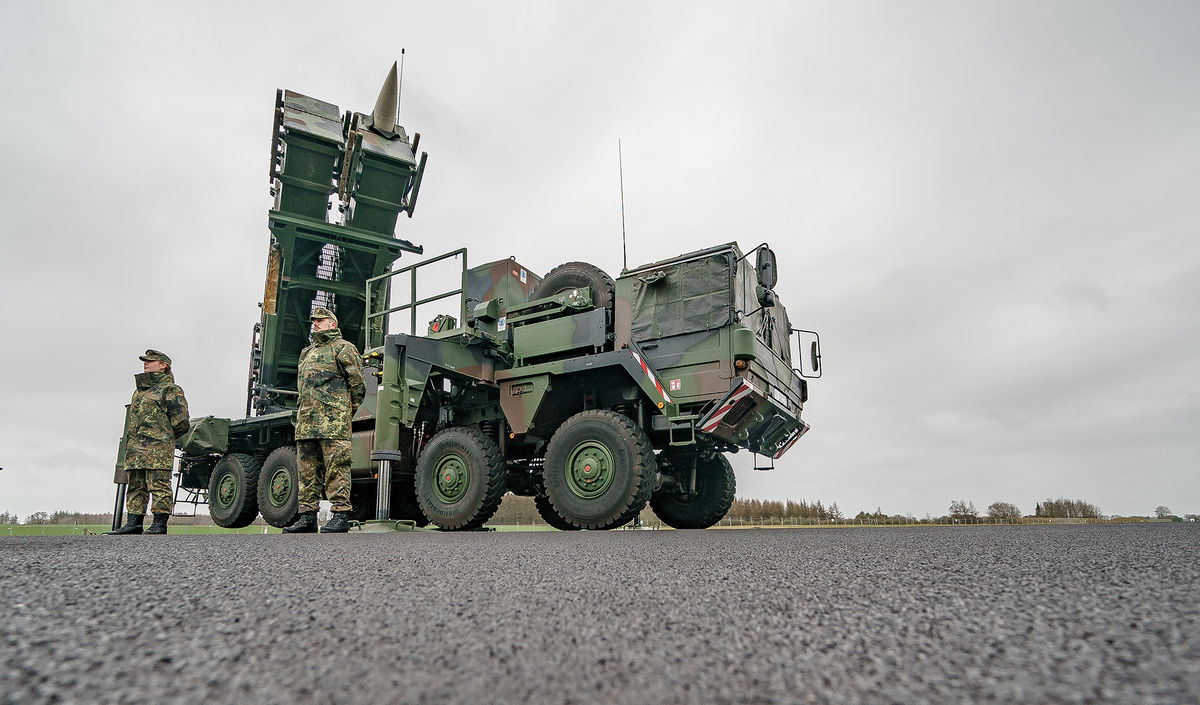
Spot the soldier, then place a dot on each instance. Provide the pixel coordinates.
(158, 416)
(331, 388)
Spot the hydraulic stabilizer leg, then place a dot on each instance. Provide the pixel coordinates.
(383, 496)
(119, 507)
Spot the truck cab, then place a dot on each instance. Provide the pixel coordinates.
(710, 325)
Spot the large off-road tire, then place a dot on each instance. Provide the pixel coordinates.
(233, 491)
(363, 500)
(551, 517)
(460, 479)
(279, 486)
(715, 488)
(599, 470)
(576, 275)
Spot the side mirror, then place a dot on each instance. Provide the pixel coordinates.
(768, 271)
(807, 353)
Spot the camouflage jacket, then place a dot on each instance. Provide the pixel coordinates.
(330, 380)
(158, 415)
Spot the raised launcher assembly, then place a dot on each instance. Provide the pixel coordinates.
(321, 256)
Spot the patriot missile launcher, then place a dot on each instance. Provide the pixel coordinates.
(595, 396)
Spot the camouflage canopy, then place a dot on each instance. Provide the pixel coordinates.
(688, 297)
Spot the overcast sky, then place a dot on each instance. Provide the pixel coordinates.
(988, 210)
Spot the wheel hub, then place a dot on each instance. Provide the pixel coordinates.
(281, 487)
(226, 490)
(589, 469)
(451, 479)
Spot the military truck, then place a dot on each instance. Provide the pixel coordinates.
(592, 395)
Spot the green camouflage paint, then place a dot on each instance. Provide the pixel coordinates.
(506, 282)
(331, 387)
(158, 414)
(719, 369)
(324, 468)
(755, 406)
(149, 486)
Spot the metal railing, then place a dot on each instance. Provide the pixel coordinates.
(373, 330)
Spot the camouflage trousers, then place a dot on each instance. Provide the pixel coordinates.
(147, 484)
(324, 469)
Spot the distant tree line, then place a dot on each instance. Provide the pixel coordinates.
(1066, 509)
(787, 509)
(1164, 512)
(59, 517)
(521, 510)
(1003, 511)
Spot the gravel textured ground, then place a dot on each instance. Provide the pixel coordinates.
(1061, 614)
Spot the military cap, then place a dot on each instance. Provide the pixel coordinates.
(154, 356)
(322, 313)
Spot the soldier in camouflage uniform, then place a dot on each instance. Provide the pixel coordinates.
(331, 388)
(158, 416)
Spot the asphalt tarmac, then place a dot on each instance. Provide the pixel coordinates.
(1059, 614)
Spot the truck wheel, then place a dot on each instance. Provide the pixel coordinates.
(460, 479)
(232, 491)
(279, 486)
(574, 275)
(551, 517)
(599, 470)
(715, 487)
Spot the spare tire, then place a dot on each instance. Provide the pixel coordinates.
(576, 275)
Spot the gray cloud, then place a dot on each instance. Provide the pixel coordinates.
(987, 211)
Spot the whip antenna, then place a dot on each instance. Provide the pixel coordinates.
(621, 172)
(400, 90)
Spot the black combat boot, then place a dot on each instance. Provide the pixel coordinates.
(304, 523)
(337, 524)
(133, 527)
(160, 524)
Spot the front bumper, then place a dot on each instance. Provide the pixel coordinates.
(750, 418)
